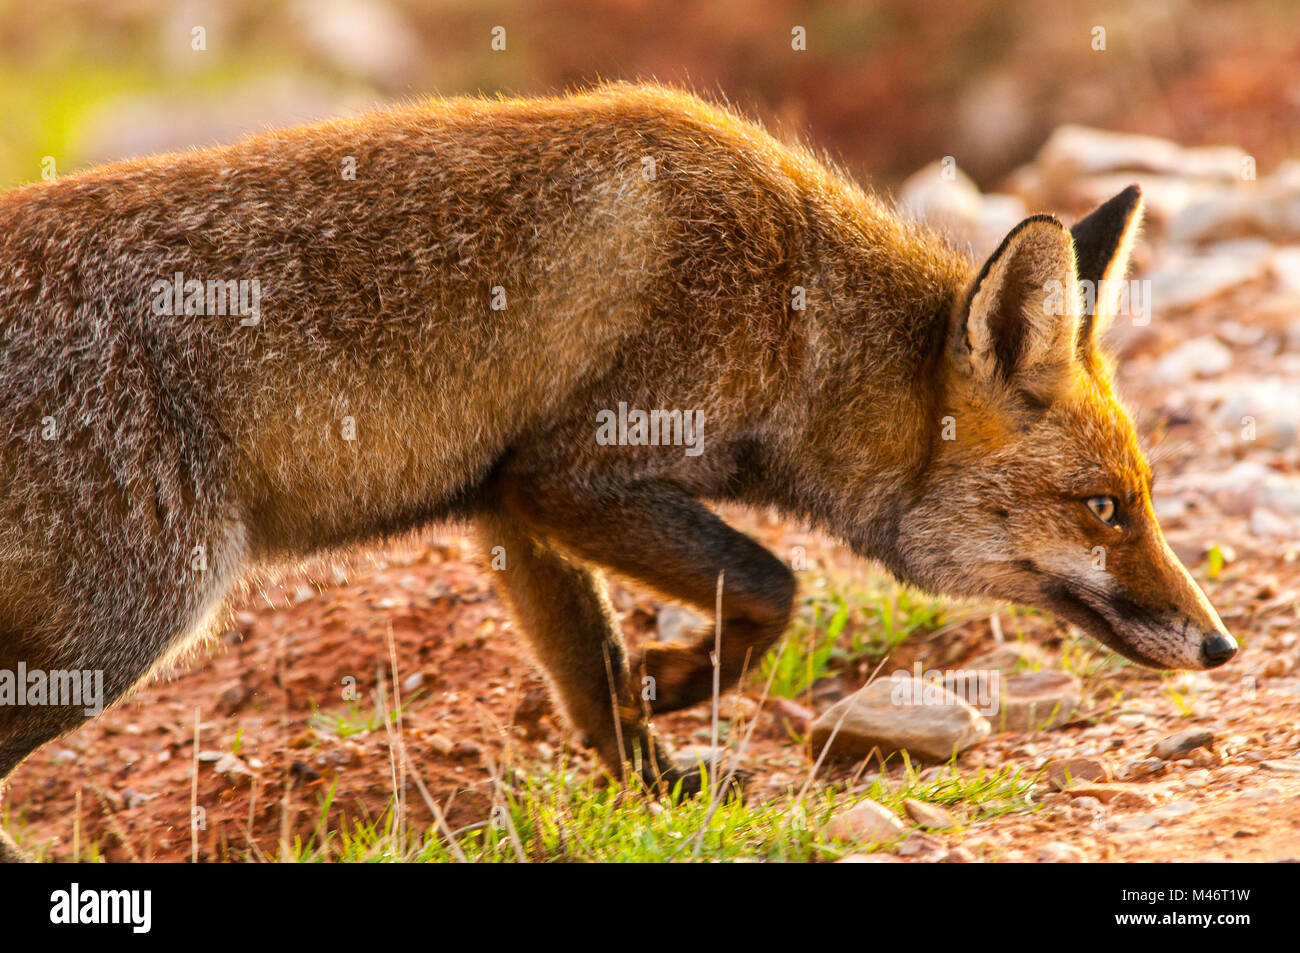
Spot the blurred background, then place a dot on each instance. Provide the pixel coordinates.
(884, 86)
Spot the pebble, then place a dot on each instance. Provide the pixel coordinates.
(865, 822)
(1058, 853)
(1182, 744)
(929, 815)
(891, 715)
(922, 847)
(1037, 701)
(1063, 773)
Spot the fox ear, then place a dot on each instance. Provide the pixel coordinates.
(1103, 240)
(1023, 315)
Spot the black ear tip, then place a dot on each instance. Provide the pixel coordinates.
(1128, 199)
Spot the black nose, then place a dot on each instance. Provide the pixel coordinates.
(1217, 648)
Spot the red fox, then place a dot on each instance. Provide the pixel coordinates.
(575, 322)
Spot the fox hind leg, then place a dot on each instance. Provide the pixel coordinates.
(114, 642)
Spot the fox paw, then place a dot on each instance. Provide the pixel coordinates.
(729, 783)
(678, 676)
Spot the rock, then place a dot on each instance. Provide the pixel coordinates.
(1268, 404)
(945, 198)
(922, 847)
(1197, 779)
(942, 196)
(1058, 853)
(938, 772)
(1072, 151)
(534, 705)
(1199, 357)
(959, 855)
(234, 770)
(132, 798)
(234, 695)
(1286, 766)
(735, 707)
(1285, 268)
(210, 756)
(1038, 701)
(865, 822)
(676, 623)
(1061, 774)
(465, 750)
(1146, 768)
(899, 714)
(1271, 209)
(1116, 795)
(1174, 809)
(1169, 509)
(1135, 822)
(1235, 490)
(1163, 196)
(1009, 655)
(1281, 494)
(1182, 744)
(1185, 280)
(1264, 522)
(1277, 667)
(925, 814)
(412, 681)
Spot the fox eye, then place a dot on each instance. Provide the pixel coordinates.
(1104, 508)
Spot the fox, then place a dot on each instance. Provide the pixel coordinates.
(434, 313)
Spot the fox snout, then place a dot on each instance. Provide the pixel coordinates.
(1177, 644)
(1200, 639)
(1145, 605)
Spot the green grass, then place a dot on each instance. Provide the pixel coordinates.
(555, 817)
(846, 623)
(358, 719)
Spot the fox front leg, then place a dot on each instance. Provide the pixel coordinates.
(563, 610)
(658, 535)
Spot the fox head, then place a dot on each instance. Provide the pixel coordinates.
(1037, 491)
